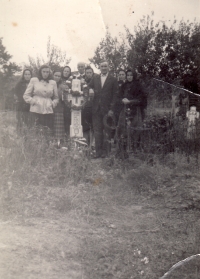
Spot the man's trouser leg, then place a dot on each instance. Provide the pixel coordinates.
(98, 132)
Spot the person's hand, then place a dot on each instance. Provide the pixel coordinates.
(91, 92)
(110, 113)
(34, 102)
(15, 98)
(67, 103)
(125, 101)
(54, 104)
(65, 87)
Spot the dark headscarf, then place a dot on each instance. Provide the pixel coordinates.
(22, 79)
(133, 74)
(66, 78)
(20, 88)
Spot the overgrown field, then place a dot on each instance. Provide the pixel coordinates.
(65, 216)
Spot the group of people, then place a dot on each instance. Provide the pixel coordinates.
(40, 101)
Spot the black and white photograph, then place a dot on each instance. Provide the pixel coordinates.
(99, 139)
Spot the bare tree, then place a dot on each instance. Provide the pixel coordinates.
(56, 58)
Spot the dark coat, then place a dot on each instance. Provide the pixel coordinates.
(89, 80)
(104, 97)
(132, 91)
(120, 82)
(20, 88)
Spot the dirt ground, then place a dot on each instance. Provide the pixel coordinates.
(39, 249)
(107, 230)
(127, 220)
(66, 247)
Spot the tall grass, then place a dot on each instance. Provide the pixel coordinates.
(30, 164)
(38, 180)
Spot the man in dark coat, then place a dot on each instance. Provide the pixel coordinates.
(105, 89)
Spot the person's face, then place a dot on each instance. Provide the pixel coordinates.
(57, 76)
(104, 68)
(122, 75)
(45, 73)
(81, 68)
(27, 75)
(89, 73)
(129, 76)
(66, 72)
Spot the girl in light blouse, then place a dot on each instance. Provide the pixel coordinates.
(42, 96)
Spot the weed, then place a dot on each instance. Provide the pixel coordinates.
(133, 218)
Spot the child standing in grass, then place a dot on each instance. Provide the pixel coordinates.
(59, 128)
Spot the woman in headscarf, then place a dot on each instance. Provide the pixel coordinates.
(22, 107)
(133, 101)
(42, 96)
(121, 77)
(59, 128)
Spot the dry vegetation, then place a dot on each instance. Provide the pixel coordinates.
(64, 216)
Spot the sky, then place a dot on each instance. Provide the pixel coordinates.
(77, 26)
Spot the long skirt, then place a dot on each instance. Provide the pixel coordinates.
(22, 115)
(67, 120)
(59, 128)
(133, 133)
(45, 120)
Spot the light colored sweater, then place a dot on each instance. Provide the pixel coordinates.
(41, 95)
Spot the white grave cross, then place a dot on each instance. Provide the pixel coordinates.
(76, 129)
(192, 115)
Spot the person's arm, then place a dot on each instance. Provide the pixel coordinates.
(55, 95)
(115, 90)
(16, 92)
(139, 99)
(91, 87)
(28, 93)
(142, 96)
(120, 95)
(134, 102)
(91, 83)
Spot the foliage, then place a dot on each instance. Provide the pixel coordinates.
(56, 58)
(7, 69)
(168, 52)
(156, 49)
(111, 50)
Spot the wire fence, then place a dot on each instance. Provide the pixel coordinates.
(171, 122)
